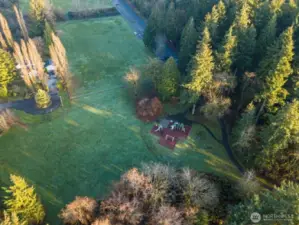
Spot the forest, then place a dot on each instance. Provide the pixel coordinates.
(238, 61)
(232, 71)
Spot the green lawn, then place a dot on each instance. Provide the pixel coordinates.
(80, 150)
(73, 5)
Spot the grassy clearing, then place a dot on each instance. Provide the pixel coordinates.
(200, 151)
(80, 150)
(73, 5)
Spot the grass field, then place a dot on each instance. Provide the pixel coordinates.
(73, 5)
(80, 150)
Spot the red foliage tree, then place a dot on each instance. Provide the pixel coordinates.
(149, 109)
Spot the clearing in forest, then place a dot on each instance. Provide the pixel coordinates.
(80, 150)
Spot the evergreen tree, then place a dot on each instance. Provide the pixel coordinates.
(265, 12)
(289, 12)
(171, 25)
(153, 70)
(188, 44)
(23, 201)
(7, 71)
(282, 199)
(245, 49)
(155, 24)
(280, 141)
(48, 34)
(168, 83)
(226, 54)
(37, 15)
(246, 34)
(266, 38)
(11, 219)
(202, 67)
(42, 99)
(214, 20)
(275, 70)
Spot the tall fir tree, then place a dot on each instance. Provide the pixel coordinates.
(266, 38)
(188, 44)
(7, 71)
(155, 24)
(246, 34)
(214, 20)
(289, 12)
(280, 141)
(245, 49)
(171, 26)
(275, 70)
(168, 84)
(265, 12)
(202, 67)
(22, 200)
(227, 52)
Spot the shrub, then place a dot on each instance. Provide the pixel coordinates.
(42, 99)
(23, 201)
(82, 210)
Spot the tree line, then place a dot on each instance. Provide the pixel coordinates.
(23, 56)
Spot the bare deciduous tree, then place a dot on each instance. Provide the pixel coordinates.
(248, 184)
(102, 222)
(59, 57)
(198, 190)
(49, 12)
(164, 183)
(21, 22)
(133, 78)
(167, 215)
(6, 30)
(246, 138)
(31, 65)
(82, 210)
(18, 55)
(8, 119)
(3, 42)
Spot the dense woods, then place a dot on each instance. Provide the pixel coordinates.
(238, 62)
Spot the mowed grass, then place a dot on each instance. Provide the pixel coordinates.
(73, 5)
(80, 150)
